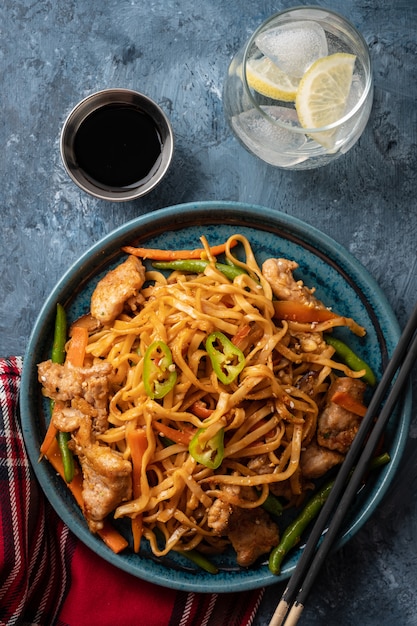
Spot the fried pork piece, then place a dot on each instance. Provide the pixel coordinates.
(66, 382)
(251, 532)
(220, 511)
(117, 286)
(315, 460)
(278, 273)
(106, 474)
(219, 515)
(337, 426)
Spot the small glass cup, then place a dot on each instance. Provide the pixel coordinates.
(269, 127)
(117, 144)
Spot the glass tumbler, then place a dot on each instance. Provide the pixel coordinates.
(299, 93)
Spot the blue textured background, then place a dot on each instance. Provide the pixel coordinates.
(53, 53)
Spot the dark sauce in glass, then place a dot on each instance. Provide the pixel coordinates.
(117, 146)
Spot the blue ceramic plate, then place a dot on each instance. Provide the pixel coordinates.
(341, 283)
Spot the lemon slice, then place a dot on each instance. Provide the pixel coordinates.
(323, 92)
(267, 79)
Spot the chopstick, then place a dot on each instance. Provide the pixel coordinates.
(345, 488)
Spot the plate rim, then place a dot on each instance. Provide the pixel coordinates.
(258, 215)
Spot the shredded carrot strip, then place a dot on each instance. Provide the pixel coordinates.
(137, 531)
(346, 401)
(173, 255)
(241, 334)
(112, 538)
(298, 312)
(77, 346)
(179, 436)
(137, 442)
(50, 435)
(200, 409)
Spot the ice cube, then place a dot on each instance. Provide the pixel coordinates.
(272, 143)
(294, 47)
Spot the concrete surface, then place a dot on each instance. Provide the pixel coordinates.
(54, 53)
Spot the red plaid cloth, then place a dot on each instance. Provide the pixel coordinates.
(48, 577)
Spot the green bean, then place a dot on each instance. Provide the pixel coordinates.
(379, 461)
(66, 455)
(292, 535)
(272, 505)
(199, 559)
(351, 359)
(58, 356)
(197, 266)
(60, 335)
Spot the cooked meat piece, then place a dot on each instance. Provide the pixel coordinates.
(106, 474)
(116, 288)
(135, 303)
(315, 460)
(251, 531)
(311, 342)
(278, 273)
(337, 427)
(66, 418)
(252, 534)
(218, 516)
(282, 489)
(66, 382)
(220, 511)
(107, 482)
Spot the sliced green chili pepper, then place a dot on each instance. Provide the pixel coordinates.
(210, 453)
(351, 359)
(292, 535)
(226, 358)
(58, 356)
(159, 373)
(197, 266)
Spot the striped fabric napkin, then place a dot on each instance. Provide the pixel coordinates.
(48, 577)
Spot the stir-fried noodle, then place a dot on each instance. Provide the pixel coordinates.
(265, 411)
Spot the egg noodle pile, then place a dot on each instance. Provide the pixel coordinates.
(263, 411)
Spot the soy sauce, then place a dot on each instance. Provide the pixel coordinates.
(117, 146)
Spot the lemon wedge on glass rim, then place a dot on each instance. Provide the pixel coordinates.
(269, 80)
(322, 94)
